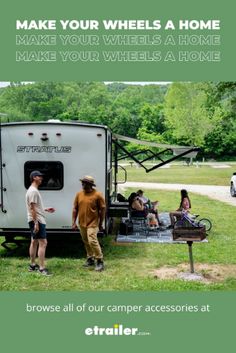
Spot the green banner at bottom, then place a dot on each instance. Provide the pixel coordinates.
(112, 321)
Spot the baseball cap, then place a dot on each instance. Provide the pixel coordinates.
(35, 173)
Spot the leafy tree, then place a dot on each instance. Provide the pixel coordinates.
(221, 141)
(124, 123)
(186, 113)
(152, 118)
(202, 113)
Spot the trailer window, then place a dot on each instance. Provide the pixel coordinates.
(53, 174)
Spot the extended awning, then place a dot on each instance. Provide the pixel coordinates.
(163, 156)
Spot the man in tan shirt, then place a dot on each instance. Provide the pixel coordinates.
(90, 207)
(37, 223)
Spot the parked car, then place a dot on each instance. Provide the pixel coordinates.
(233, 185)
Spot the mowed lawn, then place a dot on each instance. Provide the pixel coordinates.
(131, 267)
(178, 173)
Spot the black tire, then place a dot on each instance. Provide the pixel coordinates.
(232, 190)
(206, 222)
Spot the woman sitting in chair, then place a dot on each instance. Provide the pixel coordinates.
(185, 206)
(137, 206)
(150, 206)
(139, 209)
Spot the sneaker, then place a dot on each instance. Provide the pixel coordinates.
(45, 272)
(33, 268)
(89, 262)
(99, 265)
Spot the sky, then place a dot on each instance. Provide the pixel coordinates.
(4, 84)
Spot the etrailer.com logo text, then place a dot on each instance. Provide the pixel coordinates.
(115, 330)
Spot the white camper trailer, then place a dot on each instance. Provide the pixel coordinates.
(63, 152)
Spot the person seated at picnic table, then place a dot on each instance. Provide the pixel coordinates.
(185, 206)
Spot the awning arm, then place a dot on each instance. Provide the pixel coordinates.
(178, 152)
(136, 153)
(183, 154)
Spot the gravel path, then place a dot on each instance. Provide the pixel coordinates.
(220, 193)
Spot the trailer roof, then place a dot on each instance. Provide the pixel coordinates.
(56, 122)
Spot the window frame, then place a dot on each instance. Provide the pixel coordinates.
(42, 168)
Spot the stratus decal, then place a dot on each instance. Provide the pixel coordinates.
(44, 149)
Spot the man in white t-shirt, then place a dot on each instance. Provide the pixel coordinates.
(37, 223)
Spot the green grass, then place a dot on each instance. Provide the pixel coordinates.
(130, 267)
(204, 175)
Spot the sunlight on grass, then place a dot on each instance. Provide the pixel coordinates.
(204, 175)
(129, 267)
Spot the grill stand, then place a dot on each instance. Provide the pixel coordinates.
(191, 276)
(190, 251)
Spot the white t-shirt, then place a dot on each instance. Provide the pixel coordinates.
(33, 196)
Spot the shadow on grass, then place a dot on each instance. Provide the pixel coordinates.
(74, 248)
(57, 247)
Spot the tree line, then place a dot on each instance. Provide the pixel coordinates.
(202, 114)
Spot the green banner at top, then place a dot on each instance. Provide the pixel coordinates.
(122, 41)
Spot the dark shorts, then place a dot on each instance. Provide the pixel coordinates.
(41, 234)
